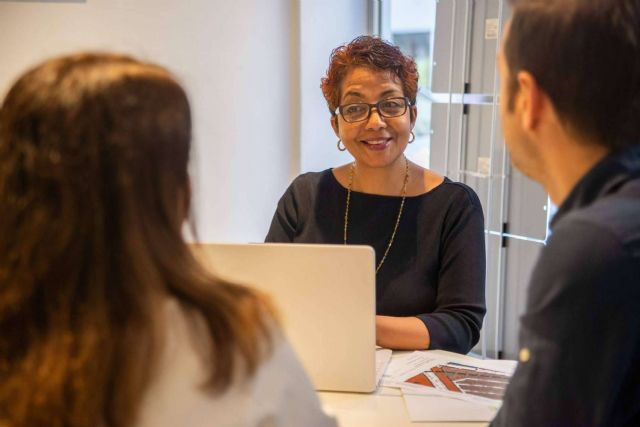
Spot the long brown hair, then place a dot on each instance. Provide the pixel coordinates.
(93, 172)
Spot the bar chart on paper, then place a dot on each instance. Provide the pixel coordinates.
(464, 379)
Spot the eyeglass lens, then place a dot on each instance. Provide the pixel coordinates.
(392, 107)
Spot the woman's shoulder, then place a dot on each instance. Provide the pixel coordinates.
(309, 183)
(450, 199)
(460, 192)
(178, 382)
(429, 182)
(281, 384)
(425, 180)
(311, 178)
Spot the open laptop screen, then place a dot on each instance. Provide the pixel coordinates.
(325, 296)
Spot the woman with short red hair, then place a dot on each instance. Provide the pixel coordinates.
(427, 231)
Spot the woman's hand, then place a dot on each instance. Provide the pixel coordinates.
(401, 333)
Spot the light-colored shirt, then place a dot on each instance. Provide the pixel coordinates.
(279, 394)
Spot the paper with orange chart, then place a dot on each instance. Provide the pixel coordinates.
(442, 386)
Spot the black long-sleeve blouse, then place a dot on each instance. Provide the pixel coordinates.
(435, 269)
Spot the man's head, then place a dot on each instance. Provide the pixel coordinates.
(581, 58)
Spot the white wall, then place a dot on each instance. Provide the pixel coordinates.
(252, 69)
(412, 16)
(324, 26)
(234, 58)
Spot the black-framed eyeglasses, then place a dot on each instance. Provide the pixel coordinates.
(388, 107)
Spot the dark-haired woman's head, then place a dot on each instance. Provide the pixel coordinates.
(371, 88)
(375, 54)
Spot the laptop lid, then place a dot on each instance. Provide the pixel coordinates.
(325, 296)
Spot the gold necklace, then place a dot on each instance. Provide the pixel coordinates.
(395, 227)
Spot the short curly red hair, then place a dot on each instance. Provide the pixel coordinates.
(370, 52)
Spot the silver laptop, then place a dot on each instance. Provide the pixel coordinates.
(325, 295)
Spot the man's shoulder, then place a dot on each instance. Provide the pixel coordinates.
(592, 245)
(617, 214)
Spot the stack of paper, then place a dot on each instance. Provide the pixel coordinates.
(442, 386)
(383, 358)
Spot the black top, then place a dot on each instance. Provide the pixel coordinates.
(435, 269)
(581, 327)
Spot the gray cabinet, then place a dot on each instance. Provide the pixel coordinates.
(466, 145)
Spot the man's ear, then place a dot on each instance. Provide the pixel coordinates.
(530, 100)
(334, 125)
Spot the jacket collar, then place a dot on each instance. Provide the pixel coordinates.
(606, 177)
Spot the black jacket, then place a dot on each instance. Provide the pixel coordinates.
(581, 327)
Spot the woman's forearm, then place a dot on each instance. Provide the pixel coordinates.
(401, 333)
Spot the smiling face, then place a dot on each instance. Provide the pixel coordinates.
(377, 142)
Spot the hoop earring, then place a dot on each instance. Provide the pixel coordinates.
(341, 148)
(413, 137)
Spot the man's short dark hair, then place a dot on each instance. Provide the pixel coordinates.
(585, 54)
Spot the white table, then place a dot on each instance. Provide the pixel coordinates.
(383, 408)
